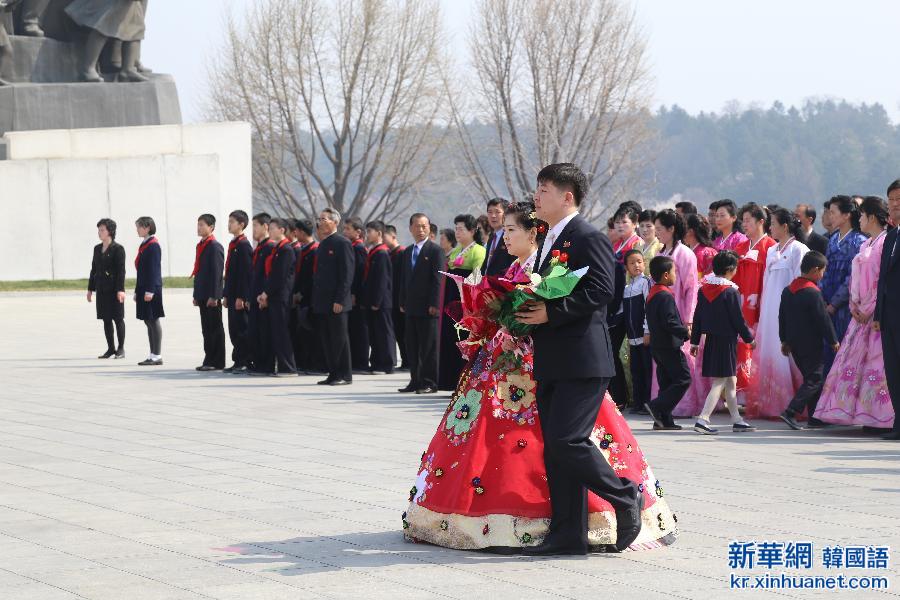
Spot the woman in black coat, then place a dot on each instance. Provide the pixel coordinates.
(148, 289)
(107, 280)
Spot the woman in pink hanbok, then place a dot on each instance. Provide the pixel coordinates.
(774, 378)
(855, 391)
(696, 237)
(730, 236)
(670, 230)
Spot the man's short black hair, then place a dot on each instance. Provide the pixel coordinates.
(278, 222)
(631, 253)
(659, 266)
(241, 217)
(391, 229)
(566, 176)
(376, 226)
(209, 219)
(356, 223)
(262, 218)
(895, 185)
(809, 212)
(304, 225)
(813, 260)
(415, 216)
(724, 261)
(148, 223)
(433, 228)
(501, 202)
(686, 208)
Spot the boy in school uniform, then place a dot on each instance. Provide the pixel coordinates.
(293, 327)
(718, 316)
(377, 300)
(667, 335)
(236, 292)
(396, 252)
(357, 323)
(803, 325)
(260, 329)
(634, 305)
(276, 298)
(308, 352)
(209, 262)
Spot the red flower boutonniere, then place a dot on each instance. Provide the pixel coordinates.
(554, 253)
(563, 258)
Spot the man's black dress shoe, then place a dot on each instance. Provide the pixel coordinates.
(670, 427)
(427, 390)
(788, 418)
(341, 382)
(149, 362)
(206, 368)
(228, 369)
(892, 436)
(108, 354)
(628, 524)
(552, 548)
(407, 390)
(325, 381)
(120, 353)
(814, 423)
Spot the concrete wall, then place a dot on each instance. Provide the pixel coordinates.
(63, 182)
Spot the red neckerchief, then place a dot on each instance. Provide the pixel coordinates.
(801, 283)
(304, 252)
(144, 245)
(356, 243)
(711, 291)
(658, 289)
(232, 245)
(201, 246)
(295, 245)
(398, 249)
(371, 255)
(271, 257)
(258, 248)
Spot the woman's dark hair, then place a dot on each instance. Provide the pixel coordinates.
(450, 235)
(626, 210)
(786, 217)
(148, 223)
(846, 205)
(525, 217)
(471, 223)
(875, 207)
(724, 261)
(566, 176)
(757, 212)
(699, 225)
(732, 208)
(670, 219)
(631, 206)
(647, 215)
(109, 225)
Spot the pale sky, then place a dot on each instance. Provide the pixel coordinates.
(703, 53)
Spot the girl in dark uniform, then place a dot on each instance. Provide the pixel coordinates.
(148, 289)
(108, 281)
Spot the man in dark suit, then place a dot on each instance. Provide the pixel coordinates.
(236, 292)
(260, 338)
(814, 241)
(331, 302)
(308, 353)
(359, 329)
(420, 290)
(378, 300)
(276, 298)
(209, 262)
(498, 259)
(887, 307)
(396, 252)
(573, 364)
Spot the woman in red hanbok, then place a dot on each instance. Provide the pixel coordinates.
(482, 483)
(753, 251)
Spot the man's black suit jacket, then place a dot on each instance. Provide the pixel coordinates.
(333, 277)
(209, 277)
(280, 281)
(575, 343)
(420, 287)
(817, 242)
(237, 279)
(378, 277)
(887, 307)
(498, 262)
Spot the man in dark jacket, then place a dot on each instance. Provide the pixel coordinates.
(209, 262)
(396, 252)
(260, 330)
(573, 364)
(331, 301)
(236, 292)
(498, 259)
(308, 353)
(814, 241)
(887, 307)
(420, 289)
(377, 300)
(276, 298)
(356, 320)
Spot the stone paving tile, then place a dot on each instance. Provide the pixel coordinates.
(124, 482)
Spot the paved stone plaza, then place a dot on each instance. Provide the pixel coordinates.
(122, 482)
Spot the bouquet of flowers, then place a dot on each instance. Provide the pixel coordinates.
(489, 303)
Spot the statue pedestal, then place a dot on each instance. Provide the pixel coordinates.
(45, 95)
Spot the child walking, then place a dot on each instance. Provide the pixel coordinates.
(718, 316)
(634, 305)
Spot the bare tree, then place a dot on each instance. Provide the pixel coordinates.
(343, 97)
(557, 81)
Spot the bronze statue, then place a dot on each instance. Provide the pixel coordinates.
(110, 19)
